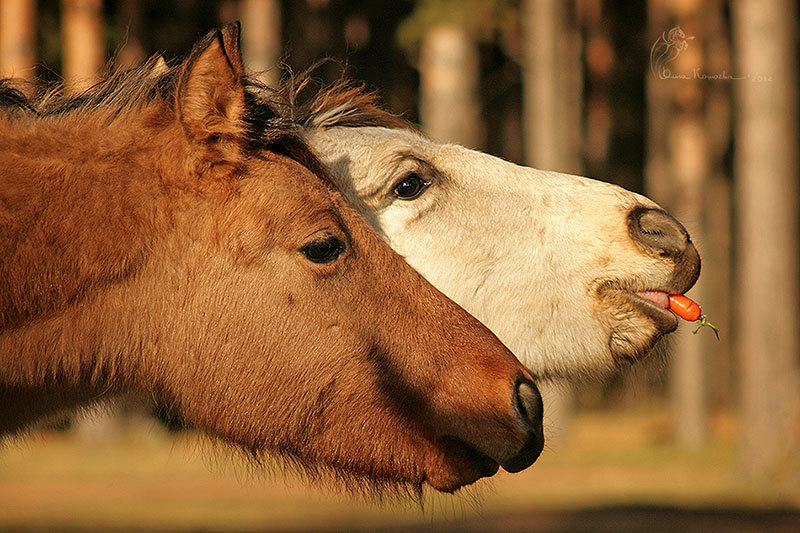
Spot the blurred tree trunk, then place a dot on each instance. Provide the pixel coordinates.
(678, 163)
(718, 285)
(17, 38)
(688, 159)
(552, 102)
(766, 182)
(599, 65)
(571, 79)
(449, 104)
(261, 38)
(540, 26)
(658, 184)
(82, 42)
(132, 53)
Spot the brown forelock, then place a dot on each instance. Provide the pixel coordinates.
(345, 103)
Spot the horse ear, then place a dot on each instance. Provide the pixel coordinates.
(231, 39)
(211, 97)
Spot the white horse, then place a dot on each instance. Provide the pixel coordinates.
(571, 273)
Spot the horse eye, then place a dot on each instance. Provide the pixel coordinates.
(323, 250)
(410, 187)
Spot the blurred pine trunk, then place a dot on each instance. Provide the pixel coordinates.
(132, 53)
(552, 85)
(18, 38)
(767, 295)
(599, 60)
(82, 42)
(688, 168)
(717, 258)
(449, 68)
(688, 133)
(658, 185)
(261, 38)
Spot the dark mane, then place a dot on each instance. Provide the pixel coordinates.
(117, 93)
(273, 116)
(345, 103)
(12, 98)
(268, 118)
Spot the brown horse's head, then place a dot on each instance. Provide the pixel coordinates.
(201, 261)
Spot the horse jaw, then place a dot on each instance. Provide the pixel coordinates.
(530, 253)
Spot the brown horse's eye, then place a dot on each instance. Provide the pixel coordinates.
(410, 187)
(323, 250)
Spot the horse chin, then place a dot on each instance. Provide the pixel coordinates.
(635, 325)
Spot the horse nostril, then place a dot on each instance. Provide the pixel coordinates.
(528, 403)
(529, 407)
(657, 232)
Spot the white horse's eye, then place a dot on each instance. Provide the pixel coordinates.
(410, 187)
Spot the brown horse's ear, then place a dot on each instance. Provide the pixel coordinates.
(211, 99)
(231, 39)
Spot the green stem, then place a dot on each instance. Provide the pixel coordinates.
(703, 321)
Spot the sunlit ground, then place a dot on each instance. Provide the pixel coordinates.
(615, 473)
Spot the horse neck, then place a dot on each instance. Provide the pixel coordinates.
(80, 208)
(66, 361)
(77, 208)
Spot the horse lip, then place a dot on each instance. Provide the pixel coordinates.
(485, 465)
(488, 467)
(527, 456)
(664, 319)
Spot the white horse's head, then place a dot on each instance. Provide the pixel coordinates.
(571, 273)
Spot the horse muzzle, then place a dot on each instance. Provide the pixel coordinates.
(514, 446)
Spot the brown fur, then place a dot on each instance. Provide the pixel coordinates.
(149, 242)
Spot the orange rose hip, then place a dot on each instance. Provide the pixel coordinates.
(684, 307)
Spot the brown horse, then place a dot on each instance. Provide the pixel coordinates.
(158, 235)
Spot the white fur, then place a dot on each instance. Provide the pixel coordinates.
(523, 250)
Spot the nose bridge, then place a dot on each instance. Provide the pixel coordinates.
(480, 376)
(657, 233)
